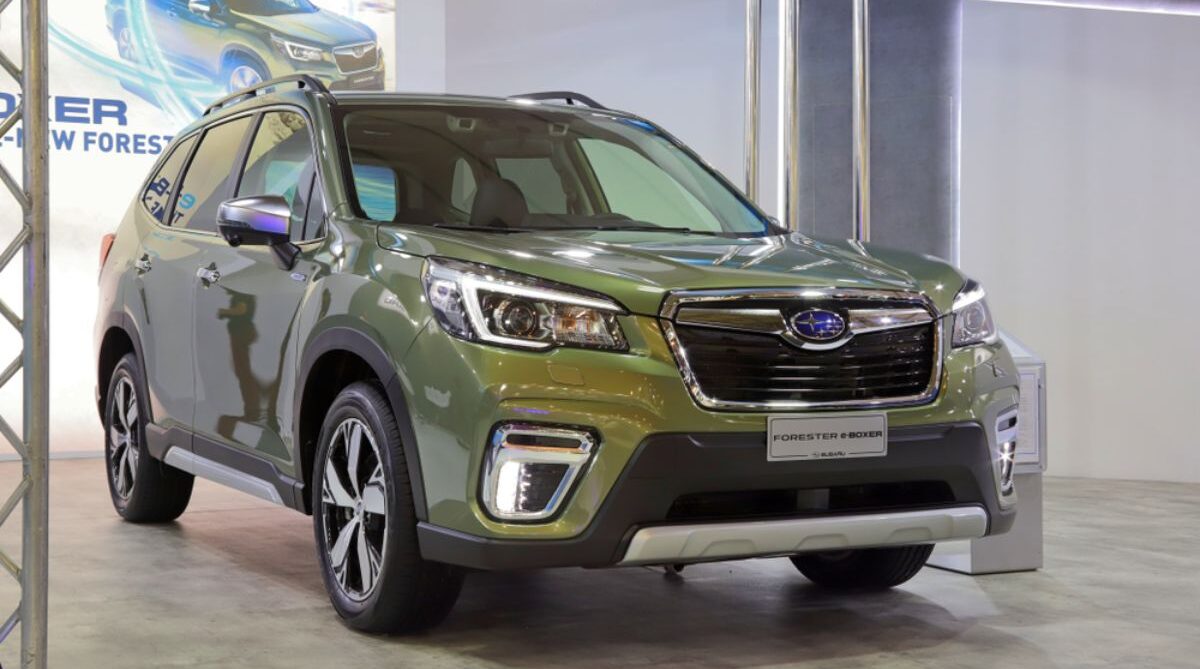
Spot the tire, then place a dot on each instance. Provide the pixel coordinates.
(123, 36)
(864, 569)
(399, 592)
(241, 72)
(143, 490)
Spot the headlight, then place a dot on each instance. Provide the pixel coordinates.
(488, 304)
(972, 319)
(300, 52)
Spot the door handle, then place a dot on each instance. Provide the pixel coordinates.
(208, 275)
(142, 265)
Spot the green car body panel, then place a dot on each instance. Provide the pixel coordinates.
(236, 366)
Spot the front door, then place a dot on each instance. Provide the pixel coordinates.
(246, 304)
(188, 39)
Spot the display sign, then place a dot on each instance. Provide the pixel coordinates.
(826, 437)
(125, 77)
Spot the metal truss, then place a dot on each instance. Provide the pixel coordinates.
(32, 493)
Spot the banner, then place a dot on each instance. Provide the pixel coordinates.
(125, 77)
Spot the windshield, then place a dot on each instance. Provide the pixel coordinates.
(272, 7)
(517, 169)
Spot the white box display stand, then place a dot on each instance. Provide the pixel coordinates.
(1020, 549)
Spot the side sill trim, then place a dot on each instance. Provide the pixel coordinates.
(723, 541)
(225, 475)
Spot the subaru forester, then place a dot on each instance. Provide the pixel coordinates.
(491, 334)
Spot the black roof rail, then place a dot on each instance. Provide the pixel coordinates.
(302, 82)
(571, 98)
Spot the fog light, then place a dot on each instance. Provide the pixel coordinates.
(1006, 447)
(1008, 452)
(529, 469)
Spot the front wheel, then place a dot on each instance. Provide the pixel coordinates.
(863, 569)
(241, 73)
(366, 524)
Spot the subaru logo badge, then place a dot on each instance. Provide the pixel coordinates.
(818, 325)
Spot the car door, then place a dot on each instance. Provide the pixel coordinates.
(162, 283)
(247, 304)
(188, 37)
(167, 269)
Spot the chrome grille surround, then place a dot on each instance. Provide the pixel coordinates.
(349, 63)
(755, 321)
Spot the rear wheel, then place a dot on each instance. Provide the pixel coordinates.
(864, 569)
(143, 490)
(366, 524)
(125, 44)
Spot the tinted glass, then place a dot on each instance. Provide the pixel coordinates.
(539, 183)
(208, 180)
(377, 190)
(637, 188)
(272, 7)
(280, 162)
(462, 190)
(540, 168)
(158, 190)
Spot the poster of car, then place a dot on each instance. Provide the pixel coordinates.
(125, 77)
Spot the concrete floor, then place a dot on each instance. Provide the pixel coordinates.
(235, 584)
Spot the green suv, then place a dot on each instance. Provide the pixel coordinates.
(241, 43)
(471, 333)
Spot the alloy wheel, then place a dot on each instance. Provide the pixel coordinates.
(243, 76)
(125, 48)
(123, 438)
(354, 509)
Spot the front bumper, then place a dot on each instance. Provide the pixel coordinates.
(712, 496)
(372, 80)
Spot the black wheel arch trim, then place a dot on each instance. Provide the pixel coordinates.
(358, 341)
(121, 320)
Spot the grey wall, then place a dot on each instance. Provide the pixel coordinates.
(915, 58)
(676, 61)
(1080, 202)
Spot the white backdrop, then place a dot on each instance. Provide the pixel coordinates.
(90, 188)
(1079, 214)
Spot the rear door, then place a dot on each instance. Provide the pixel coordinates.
(245, 313)
(161, 306)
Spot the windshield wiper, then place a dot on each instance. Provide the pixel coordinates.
(629, 228)
(476, 228)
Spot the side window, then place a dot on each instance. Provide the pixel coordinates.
(207, 182)
(377, 190)
(462, 188)
(637, 188)
(158, 190)
(280, 162)
(539, 183)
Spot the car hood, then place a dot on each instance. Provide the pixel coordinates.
(639, 269)
(319, 28)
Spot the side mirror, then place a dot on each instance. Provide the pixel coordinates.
(201, 7)
(261, 220)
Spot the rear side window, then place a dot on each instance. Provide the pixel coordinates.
(158, 190)
(377, 190)
(280, 162)
(208, 180)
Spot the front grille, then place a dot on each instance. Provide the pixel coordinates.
(356, 57)
(813, 501)
(733, 367)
